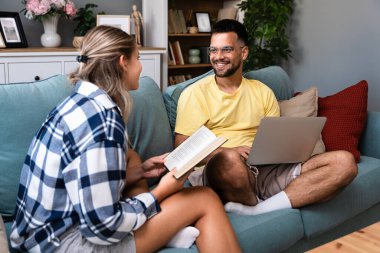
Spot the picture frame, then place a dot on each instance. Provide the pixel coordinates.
(122, 22)
(203, 22)
(11, 30)
(2, 43)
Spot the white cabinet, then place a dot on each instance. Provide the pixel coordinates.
(2, 73)
(30, 64)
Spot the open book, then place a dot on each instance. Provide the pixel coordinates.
(199, 145)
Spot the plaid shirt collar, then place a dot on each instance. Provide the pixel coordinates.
(92, 91)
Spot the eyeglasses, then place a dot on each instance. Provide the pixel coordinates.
(224, 50)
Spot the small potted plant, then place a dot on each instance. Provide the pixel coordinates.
(86, 19)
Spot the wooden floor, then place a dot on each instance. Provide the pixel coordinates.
(366, 240)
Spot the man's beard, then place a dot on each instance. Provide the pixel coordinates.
(229, 72)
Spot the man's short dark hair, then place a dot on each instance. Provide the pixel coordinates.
(231, 25)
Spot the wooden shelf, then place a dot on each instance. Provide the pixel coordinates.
(189, 41)
(189, 34)
(185, 66)
(63, 49)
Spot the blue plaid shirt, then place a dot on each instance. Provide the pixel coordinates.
(73, 175)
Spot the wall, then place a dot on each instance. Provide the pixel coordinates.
(336, 43)
(34, 29)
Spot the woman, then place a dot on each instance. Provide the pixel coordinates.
(71, 195)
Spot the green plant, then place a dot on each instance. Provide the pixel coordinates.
(266, 22)
(86, 19)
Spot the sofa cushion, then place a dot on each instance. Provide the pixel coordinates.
(369, 143)
(349, 202)
(148, 126)
(172, 93)
(346, 113)
(305, 104)
(24, 107)
(274, 77)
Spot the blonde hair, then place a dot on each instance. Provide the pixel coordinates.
(99, 63)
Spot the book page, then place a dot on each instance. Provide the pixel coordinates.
(200, 156)
(190, 148)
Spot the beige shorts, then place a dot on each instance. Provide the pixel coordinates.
(273, 178)
(72, 241)
(270, 179)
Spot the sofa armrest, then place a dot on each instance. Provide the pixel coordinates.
(370, 141)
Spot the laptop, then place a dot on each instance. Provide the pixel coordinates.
(285, 140)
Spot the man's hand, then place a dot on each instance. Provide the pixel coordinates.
(154, 166)
(243, 151)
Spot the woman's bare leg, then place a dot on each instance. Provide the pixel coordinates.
(198, 206)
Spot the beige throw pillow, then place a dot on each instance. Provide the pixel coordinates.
(3, 238)
(304, 105)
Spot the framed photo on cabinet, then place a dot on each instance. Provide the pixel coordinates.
(11, 30)
(203, 21)
(122, 22)
(2, 43)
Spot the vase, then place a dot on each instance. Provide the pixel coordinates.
(50, 37)
(194, 56)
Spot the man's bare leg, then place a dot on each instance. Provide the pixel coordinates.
(321, 177)
(230, 178)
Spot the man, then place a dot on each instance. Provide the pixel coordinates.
(232, 106)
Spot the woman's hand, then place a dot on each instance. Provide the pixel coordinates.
(169, 185)
(154, 166)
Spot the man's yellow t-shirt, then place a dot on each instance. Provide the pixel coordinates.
(236, 116)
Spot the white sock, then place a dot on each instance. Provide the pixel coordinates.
(276, 202)
(184, 238)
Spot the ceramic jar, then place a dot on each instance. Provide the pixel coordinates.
(194, 57)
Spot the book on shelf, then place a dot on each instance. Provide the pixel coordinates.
(227, 13)
(193, 150)
(171, 55)
(182, 21)
(178, 53)
(174, 79)
(173, 23)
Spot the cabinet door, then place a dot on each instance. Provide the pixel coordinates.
(32, 71)
(70, 66)
(2, 73)
(151, 67)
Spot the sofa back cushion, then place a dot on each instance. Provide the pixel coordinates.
(274, 77)
(23, 108)
(148, 126)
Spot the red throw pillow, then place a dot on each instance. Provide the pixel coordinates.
(346, 113)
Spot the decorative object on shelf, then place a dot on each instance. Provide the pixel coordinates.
(266, 22)
(205, 58)
(138, 24)
(50, 37)
(188, 20)
(86, 19)
(194, 57)
(49, 12)
(11, 30)
(193, 29)
(203, 22)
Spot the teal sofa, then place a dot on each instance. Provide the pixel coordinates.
(24, 106)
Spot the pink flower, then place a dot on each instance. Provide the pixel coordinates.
(70, 9)
(38, 9)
